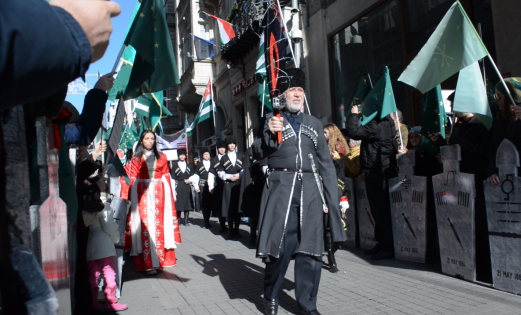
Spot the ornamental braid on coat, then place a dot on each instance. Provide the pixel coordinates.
(292, 154)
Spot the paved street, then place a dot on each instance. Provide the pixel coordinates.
(215, 276)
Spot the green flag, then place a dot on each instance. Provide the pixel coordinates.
(380, 100)
(471, 95)
(121, 81)
(491, 90)
(207, 104)
(434, 117)
(151, 106)
(154, 68)
(454, 45)
(129, 137)
(263, 94)
(189, 128)
(362, 90)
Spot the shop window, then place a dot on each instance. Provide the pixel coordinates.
(362, 51)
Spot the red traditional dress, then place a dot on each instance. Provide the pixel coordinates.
(154, 228)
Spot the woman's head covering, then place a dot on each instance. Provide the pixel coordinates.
(416, 129)
(514, 86)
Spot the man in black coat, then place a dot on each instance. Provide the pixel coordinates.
(203, 169)
(217, 188)
(230, 172)
(378, 164)
(183, 174)
(291, 222)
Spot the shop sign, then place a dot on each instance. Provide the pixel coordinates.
(243, 85)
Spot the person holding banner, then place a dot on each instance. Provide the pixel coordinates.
(154, 226)
(291, 222)
(184, 175)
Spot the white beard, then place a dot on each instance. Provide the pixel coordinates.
(293, 108)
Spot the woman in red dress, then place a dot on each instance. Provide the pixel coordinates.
(153, 226)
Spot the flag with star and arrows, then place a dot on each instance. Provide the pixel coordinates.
(380, 101)
(454, 45)
(471, 95)
(154, 68)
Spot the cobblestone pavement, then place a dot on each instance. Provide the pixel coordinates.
(215, 276)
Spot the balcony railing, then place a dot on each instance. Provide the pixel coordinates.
(247, 24)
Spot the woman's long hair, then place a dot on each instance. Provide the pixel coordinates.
(336, 141)
(140, 149)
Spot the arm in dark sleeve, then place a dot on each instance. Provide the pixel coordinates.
(172, 171)
(371, 131)
(45, 50)
(481, 147)
(89, 123)
(269, 141)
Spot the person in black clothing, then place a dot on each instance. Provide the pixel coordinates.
(182, 172)
(205, 177)
(230, 171)
(474, 140)
(426, 164)
(507, 124)
(378, 164)
(217, 189)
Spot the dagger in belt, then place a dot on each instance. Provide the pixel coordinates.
(317, 179)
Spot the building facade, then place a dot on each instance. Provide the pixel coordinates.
(343, 41)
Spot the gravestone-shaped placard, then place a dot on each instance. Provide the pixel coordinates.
(504, 220)
(365, 218)
(408, 197)
(454, 194)
(350, 215)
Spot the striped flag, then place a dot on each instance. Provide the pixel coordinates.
(263, 94)
(205, 109)
(225, 30)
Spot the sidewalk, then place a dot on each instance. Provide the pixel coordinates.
(215, 276)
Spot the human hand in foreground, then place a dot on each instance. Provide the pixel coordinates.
(493, 179)
(94, 18)
(106, 82)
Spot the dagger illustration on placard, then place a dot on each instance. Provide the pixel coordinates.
(455, 233)
(409, 225)
(370, 218)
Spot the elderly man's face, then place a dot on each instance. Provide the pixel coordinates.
(294, 99)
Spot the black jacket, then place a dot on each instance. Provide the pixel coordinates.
(379, 148)
(474, 139)
(45, 50)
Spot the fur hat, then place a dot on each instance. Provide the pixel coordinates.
(230, 140)
(291, 78)
(205, 150)
(221, 144)
(514, 86)
(181, 152)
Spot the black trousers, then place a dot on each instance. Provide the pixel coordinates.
(377, 191)
(308, 268)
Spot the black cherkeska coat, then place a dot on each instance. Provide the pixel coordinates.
(292, 155)
(184, 200)
(231, 190)
(205, 197)
(217, 195)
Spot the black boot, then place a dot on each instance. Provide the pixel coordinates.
(231, 230)
(330, 254)
(186, 218)
(271, 306)
(222, 222)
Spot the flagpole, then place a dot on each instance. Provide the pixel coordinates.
(482, 60)
(399, 129)
(119, 57)
(502, 81)
(263, 96)
(214, 111)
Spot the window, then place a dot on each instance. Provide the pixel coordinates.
(361, 51)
